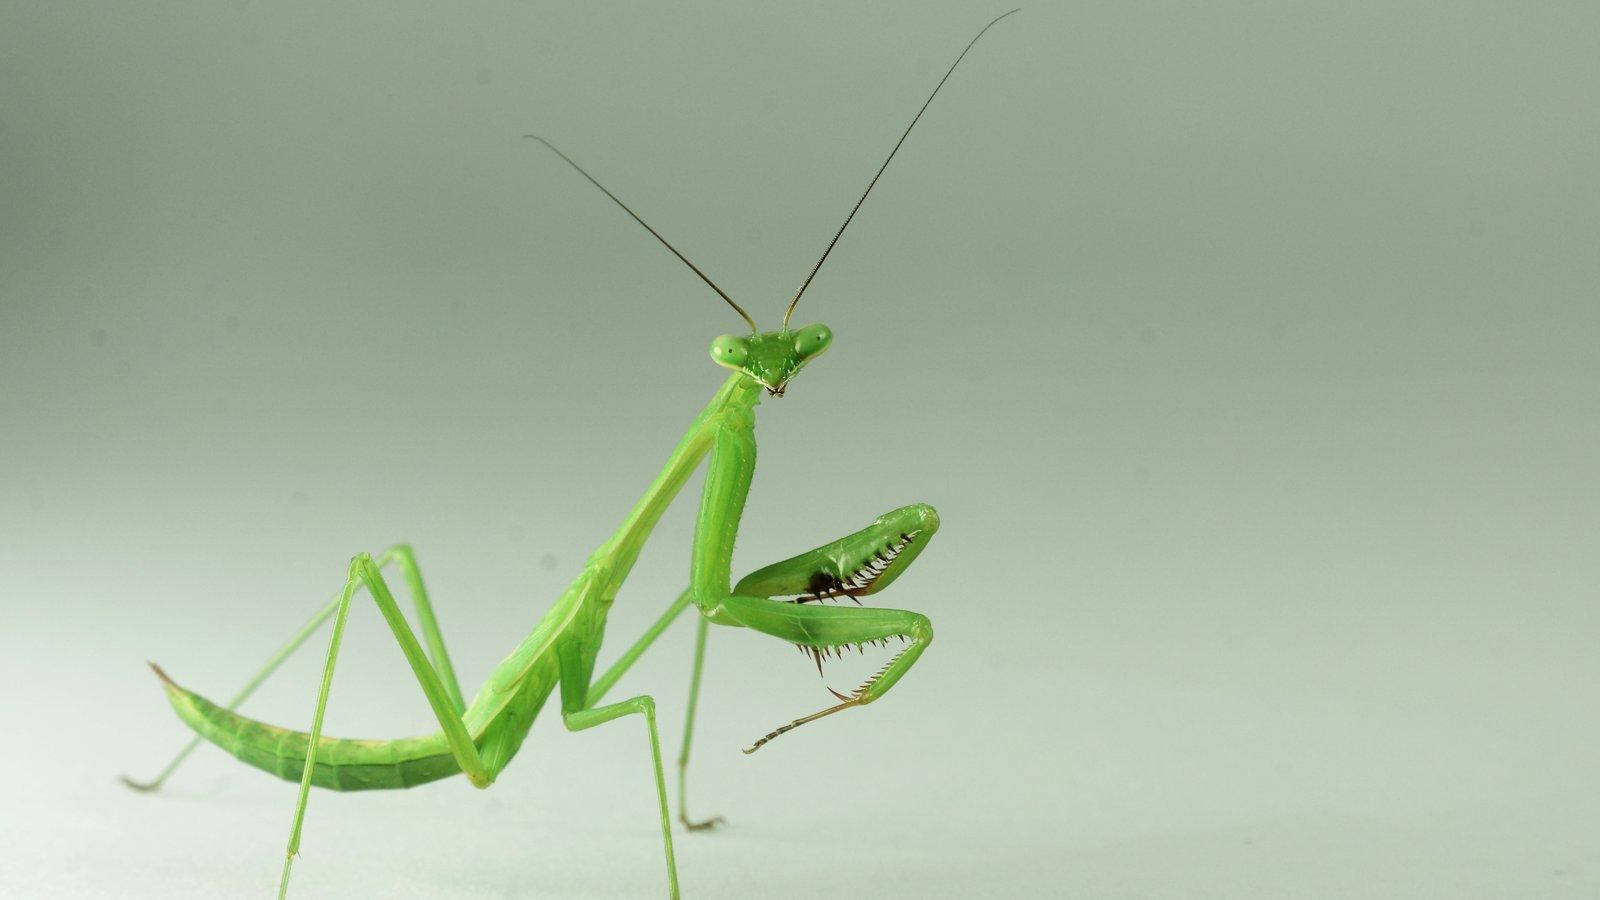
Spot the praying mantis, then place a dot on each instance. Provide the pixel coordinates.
(796, 599)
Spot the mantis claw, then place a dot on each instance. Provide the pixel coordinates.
(143, 787)
(853, 701)
(702, 825)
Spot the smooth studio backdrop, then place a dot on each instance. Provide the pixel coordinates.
(1247, 350)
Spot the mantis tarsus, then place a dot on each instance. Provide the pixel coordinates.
(479, 739)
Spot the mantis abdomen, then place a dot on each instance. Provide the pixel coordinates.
(341, 764)
(352, 764)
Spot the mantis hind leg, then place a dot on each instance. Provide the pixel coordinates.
(405, 559)
(364, 572)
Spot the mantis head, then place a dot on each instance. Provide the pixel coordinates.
(771, 357)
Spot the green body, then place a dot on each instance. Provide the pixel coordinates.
(564, 645)
(480, 738)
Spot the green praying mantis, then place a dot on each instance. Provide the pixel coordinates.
(787, 600)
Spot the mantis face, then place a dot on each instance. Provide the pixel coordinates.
(771, 357)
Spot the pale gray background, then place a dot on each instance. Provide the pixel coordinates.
(1247, 349)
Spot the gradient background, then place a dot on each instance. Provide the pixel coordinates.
(1248, 351)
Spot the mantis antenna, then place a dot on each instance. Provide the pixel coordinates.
(836, 234)
(703, 277)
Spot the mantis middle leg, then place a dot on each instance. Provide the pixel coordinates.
(580, 711)
(584, 719)
(601, 685)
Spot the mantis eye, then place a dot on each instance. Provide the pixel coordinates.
(812, 340)
(729, 351)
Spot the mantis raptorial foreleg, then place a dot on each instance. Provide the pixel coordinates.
(860, 564)
(830, 629)
(854, 565)
(364, 572)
